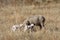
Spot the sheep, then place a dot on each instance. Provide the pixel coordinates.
(37, 20)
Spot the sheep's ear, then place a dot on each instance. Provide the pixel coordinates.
(28, 23)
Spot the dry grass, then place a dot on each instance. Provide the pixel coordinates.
(10, 15)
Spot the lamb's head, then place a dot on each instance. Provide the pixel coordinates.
(14, 27)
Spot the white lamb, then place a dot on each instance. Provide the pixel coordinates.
(15, 27)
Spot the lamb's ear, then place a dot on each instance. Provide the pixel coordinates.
(21, 25)
(28, 23)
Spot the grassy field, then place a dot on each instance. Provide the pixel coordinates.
(10, 15)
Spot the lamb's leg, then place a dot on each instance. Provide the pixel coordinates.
(25, 28)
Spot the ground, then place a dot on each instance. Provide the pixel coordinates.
(10, 15)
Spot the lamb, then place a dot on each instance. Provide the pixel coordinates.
(15, 27)
(37, 20)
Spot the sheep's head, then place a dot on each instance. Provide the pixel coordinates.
(28, 27)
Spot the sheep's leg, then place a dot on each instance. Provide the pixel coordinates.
(43, 21)
(41, 25)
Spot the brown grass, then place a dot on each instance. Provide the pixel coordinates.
(10, 15)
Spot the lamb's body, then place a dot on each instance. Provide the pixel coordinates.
(15, 27)
(37, 20)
